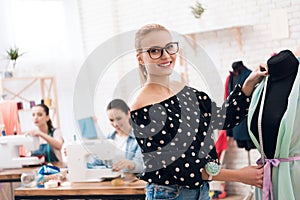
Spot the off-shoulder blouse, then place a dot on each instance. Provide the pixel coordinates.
(176, 135)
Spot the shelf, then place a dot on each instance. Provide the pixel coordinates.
(235, 31)
(26, 89)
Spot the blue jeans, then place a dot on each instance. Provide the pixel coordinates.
(175, 192)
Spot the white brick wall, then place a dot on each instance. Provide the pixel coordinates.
(100, 19)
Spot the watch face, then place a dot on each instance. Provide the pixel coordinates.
(212, 168)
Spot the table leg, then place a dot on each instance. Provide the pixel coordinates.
(11, 190)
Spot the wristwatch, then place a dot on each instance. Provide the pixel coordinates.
(212, 169)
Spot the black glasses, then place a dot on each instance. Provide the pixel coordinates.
(156, 52)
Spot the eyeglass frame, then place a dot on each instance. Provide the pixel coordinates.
(162, 50)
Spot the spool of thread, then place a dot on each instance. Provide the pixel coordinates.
(20, 106)
(51, 184)
(48, 102)
(32, 104)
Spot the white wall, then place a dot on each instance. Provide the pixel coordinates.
(252, 41)
(49, 34)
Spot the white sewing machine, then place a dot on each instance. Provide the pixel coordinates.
(10, 148)
(78, 154)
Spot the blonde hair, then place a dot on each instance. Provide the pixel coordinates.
(139, 36)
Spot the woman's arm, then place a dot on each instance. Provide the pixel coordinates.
(251, 175)
(137, 161)
(56, 141)
(134, 163)
(235, 108)
(134, 166)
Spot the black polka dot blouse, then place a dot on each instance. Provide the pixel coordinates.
(176, 135)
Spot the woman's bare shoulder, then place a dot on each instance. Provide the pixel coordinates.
(141, 100)
(149, 96)
(177, 86)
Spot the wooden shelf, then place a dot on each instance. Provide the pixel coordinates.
(26, 89)
(235, 31)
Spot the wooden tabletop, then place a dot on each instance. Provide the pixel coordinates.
(132, 187)
(14, 175)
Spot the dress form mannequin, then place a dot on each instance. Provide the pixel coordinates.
(283, 69)
(280, 123)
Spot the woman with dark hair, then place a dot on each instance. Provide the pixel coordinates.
(129, 158)
(51, 140)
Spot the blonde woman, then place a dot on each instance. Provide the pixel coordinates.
(173, 124)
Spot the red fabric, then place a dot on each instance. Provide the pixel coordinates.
(221, 143)
(10, 116)
(226, 87)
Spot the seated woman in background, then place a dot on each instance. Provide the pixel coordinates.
(51, 140)
(129, 158)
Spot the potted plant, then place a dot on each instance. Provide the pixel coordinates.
(12, 55)
(197, 10)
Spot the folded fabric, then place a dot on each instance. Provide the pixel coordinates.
(87, 128)
(48, 170)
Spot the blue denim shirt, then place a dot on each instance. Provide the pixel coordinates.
(133, 152)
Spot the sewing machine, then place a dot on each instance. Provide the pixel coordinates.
(10, 148)
(78, 155)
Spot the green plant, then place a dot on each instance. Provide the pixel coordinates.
(13, 54)
(197, 9)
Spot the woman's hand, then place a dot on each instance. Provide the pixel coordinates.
(252, 175)
(33, 133)
(254, 78)
(123, 164)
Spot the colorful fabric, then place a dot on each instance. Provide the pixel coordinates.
(87, 128)
(269, 164)
(10, 117)
(221, 143)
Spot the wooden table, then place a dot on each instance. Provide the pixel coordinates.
(13, 175)
(104, 190)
